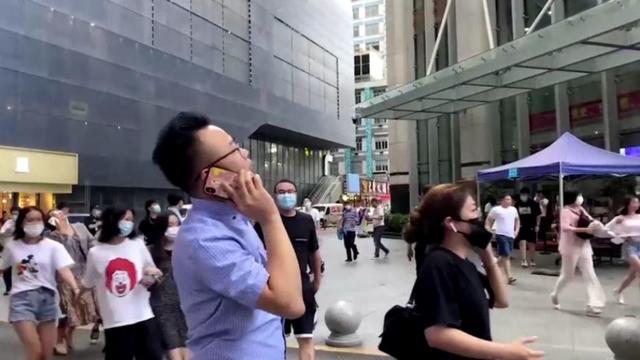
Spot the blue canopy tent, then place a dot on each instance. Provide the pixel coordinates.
(566, 156)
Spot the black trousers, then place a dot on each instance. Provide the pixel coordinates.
(350, 245)
(377, 240)
(6, 276)
(139, 341)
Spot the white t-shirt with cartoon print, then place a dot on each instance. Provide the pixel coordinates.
(115, 271)
(34, 265)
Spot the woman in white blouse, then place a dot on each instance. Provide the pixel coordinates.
(627, 225)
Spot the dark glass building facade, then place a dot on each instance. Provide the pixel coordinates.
(99, 78)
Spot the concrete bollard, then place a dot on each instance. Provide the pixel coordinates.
(343, 319)
(623, 338)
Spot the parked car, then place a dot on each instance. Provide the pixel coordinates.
(331, 213)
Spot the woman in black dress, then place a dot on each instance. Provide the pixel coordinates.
(164, 295)
(452, 297)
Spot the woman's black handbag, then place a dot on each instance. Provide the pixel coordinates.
(584, 221)
(402, 335)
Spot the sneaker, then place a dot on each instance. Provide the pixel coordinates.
(512, 280)
(386, 254)
(593, 312)
(61, 350)
(555, 302)
(618, 296)
(6, 293)
(95, 335)
(348, 260)
(532, 263)
(524, 264)
(355, 255)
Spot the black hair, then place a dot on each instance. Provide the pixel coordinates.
(492, 200)
(503, 196)
(158, 238)
(285, 181)
(15, 208)
(426, 224)
(570, 197)
(148, 204)
(110, 218)
(174, 199)
(61, 205)
(18, 232)
(625, 205)
(174, 151)
(525, 190)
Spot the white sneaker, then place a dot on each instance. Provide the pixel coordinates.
(524, 264)
(555, 302)
(593, 312)
(618, 296)
(532, 263)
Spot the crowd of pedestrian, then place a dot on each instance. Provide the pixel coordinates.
(243, 267)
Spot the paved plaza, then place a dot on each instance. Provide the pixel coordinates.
(375, 285)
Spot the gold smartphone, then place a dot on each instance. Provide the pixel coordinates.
(215, 178)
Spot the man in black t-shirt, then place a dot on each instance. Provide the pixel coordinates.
(302, 233)
(529, 212)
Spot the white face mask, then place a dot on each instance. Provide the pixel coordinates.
(524, 198)
(33, 230)
(579, 200)
(172, 232)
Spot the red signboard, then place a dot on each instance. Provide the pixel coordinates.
(584, 112)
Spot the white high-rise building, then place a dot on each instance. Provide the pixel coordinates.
(369, 47)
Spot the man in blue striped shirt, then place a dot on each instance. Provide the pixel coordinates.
(232, 291)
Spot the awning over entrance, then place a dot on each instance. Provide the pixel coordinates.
(599, 39)
(37, 171)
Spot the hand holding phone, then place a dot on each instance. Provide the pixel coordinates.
(251, 198)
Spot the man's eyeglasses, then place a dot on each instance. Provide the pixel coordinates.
(237, 148)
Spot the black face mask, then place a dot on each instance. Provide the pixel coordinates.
(478, 236)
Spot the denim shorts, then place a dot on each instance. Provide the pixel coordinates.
(633, 248)
(37, 305)
(505, 245)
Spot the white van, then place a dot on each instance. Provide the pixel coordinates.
(330, 213)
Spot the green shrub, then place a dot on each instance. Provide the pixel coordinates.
(396, 222)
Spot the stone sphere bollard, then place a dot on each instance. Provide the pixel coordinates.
(343, 319)
(623, 338)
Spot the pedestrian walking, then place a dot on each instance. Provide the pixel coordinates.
(35, 261)
(120, 269)
(576, 253)
(77, 240)
(234, 293)
(165, 301)
(308, 209)
(176, 206)
(529, 215)
(376, 216)
(301, 230)
(451, 296)
(348, 226)
(6, 234)
(627, 225)
(507, 225)
(92, 222)
(149, 227)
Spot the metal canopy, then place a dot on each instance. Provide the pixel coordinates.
(601, 38)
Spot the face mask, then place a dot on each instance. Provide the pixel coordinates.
(287, 201)
(544, 202)
(172, 232)
(126, 227)
(96, 213)
(33, 230)
(307, 204)
(478, 236)
(524, 197)
(348, 207)
(155, 208)
(579, 200)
